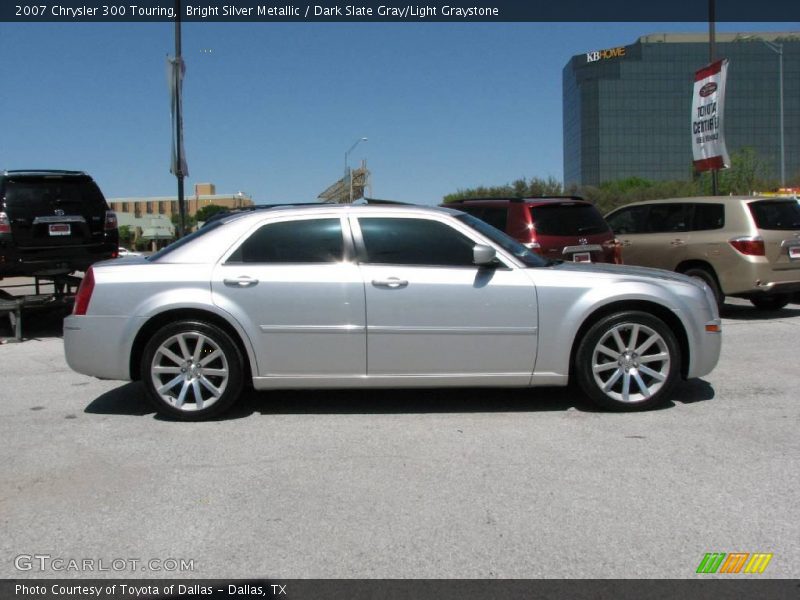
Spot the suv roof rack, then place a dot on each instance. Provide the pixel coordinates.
(43, 172)
(379, 201)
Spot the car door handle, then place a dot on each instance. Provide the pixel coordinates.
(241, 282)
(392, 282)
(678, 242)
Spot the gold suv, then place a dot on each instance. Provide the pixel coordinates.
(744, 246)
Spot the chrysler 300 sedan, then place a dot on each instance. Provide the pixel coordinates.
(382, 296)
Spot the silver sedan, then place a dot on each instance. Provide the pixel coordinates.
(382, 296)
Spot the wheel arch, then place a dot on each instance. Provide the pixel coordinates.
(696, 263)
(653, 308)
(157, 321)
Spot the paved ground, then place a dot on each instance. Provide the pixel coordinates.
(467, 484)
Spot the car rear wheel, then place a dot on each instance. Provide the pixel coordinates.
(710, 280)
(774, 302)
(192, 370)
(628, 361)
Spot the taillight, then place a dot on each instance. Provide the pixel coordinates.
(111, 220)
(84, 294)
(616, 248)
(751, 246)
(5, 224)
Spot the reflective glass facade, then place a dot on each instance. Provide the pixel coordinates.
(627, 110)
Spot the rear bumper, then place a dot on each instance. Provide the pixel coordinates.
(771, 288)
(100, 346)
(52, 261)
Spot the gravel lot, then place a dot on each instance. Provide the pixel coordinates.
(398, 484)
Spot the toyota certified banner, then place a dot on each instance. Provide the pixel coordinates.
(708, 101)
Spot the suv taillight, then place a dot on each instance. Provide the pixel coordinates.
(616, 247)
(5, 224)
(84, 294)
(751, 246)
(111, 220)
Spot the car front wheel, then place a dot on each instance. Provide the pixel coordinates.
(628, 361)
(192, 370)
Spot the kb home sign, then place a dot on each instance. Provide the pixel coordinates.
(605, 54)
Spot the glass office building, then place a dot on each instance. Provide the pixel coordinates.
(627, 109)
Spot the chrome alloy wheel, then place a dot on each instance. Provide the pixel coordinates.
(189, 371)
(631, 362)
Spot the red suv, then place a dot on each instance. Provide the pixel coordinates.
(558, 227)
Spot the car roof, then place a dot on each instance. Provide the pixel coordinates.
(696, 200)
(554, 199)
(259, 211)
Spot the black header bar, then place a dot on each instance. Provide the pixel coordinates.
(394, 11)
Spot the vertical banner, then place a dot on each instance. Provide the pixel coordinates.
(708, 101)
(175, 71)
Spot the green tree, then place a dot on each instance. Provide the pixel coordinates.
(125, 235)
(747, 174)
(191, 221)
(521, 188)
(208, 211)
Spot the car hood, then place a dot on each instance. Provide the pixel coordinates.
(623, 272)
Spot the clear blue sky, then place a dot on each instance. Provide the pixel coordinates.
(270, 109)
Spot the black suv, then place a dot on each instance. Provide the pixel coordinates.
(53, 223)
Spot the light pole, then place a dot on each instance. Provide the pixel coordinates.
(346, 171)
(778, 49)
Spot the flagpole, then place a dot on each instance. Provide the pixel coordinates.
(179, 123)
(711, 53)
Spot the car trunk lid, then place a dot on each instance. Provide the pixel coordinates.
(572, 231)
(778, 223)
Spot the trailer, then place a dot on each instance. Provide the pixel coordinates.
(49, 294)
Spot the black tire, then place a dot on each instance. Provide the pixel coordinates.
(773, 302)
(214, 371)
(661, 358)
(710, 280)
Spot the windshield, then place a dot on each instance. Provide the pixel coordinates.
(506, 242)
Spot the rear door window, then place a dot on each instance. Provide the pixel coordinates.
(669, 218)
(708, 217)
(567, 219)
(302, 241)
(776, 215)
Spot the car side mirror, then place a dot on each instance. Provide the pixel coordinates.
(484, 256)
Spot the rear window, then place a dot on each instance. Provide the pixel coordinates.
(778, 215)
(568, 219)
(44, 196)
